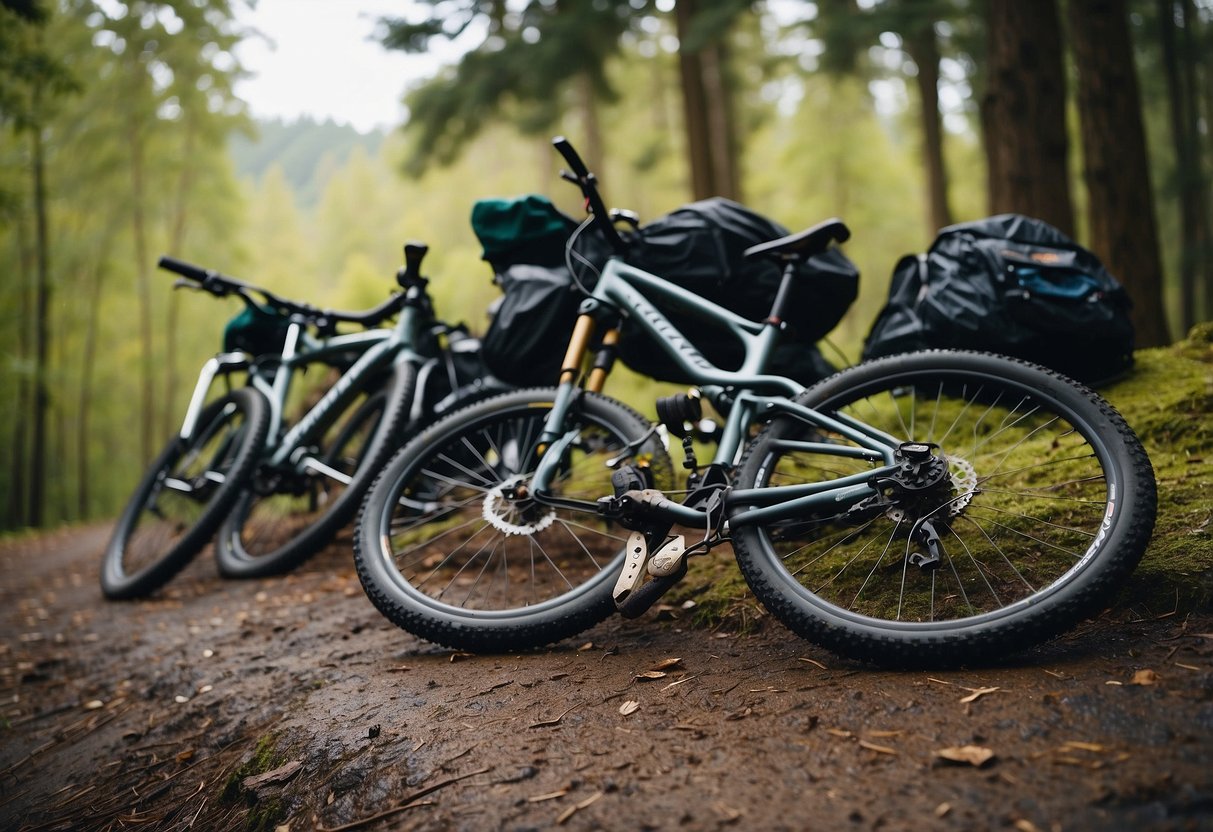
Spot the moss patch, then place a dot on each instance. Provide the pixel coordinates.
(264, 814)
(1168, 400)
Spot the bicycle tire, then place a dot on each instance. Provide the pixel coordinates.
(261, 537)
(153, 561)
(421, 500)
(1030, 541)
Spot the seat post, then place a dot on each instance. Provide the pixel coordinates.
(785, 289)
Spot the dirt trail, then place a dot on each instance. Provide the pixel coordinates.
(158, 714)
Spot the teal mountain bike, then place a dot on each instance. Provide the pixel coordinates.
(930, 508)
(278, 461)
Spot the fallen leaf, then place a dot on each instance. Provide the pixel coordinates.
(884, 734)
(1145, 677)
(651, 674)
(1026, 826)
(974, 755)
(839, 732)
(278, 775)
(94, 705)
(977, 693)
(666, 664)
(589, 645)
(181, 700)
(942, 810)
(629, 707)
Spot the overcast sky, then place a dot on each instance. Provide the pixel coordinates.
(317, 58)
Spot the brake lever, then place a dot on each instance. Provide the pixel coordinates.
(567, 176)
(182, 283)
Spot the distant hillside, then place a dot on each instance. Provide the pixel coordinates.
(307, 150)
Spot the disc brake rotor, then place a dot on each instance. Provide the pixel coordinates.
(501, 512)
(964, 483)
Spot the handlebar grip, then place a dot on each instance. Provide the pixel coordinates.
(188, 270)
(566, 150)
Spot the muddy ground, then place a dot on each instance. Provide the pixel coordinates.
(290, 703)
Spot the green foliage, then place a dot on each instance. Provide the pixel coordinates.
(306, 151)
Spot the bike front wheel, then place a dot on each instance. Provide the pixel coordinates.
(283, 517)
(1036, 502)
(185, 495)
(452, 546)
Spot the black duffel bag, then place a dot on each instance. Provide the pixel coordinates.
(700, 247)
(1013, 285)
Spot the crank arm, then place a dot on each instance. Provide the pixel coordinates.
(313, 464)
(638, 603)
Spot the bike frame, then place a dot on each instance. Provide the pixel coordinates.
(747, 394)
(377, 349)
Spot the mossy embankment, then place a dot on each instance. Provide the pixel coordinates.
(1168, 400)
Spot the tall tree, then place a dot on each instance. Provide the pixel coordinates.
(529, 60)
(31, 81)
(1023, 112)
(1120, 206)
(923, 48)
(709, 122)
(848, 32)
(1177, 24)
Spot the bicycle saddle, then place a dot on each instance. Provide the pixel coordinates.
(804, 244)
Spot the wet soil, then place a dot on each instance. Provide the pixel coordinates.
(290, 703)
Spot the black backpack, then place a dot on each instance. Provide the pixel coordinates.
(1013, 285)
(699, 247)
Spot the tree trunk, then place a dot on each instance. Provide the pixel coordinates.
(707, 111)
(587, 103)
(185, 185)
(924, 51)
(42, 299)
(722, 134)
(18, 495)
(147, 420)
(1120, 206)
(1177, 107)
(694, 106)
(84, 406)
(1196, 179)
(1023, 112)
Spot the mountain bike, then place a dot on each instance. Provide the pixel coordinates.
(930, 508)
(274, 468)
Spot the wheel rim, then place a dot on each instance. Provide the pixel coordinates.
(467, 538)
(187, 482)
(1027, 501)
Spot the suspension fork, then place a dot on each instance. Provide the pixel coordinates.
(227, 362)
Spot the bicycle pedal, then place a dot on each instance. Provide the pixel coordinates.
(632, 575)
(666, 560)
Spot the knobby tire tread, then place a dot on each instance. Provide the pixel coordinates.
(432, 625)
(1085, 596)
(118, 586)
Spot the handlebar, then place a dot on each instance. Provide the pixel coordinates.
(220, 285)
(588, 183)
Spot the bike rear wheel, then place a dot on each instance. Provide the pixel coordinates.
(1040, 497)
(452, 547)
(184, 496)
(283, 518)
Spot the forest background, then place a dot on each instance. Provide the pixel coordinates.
(123, 139)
